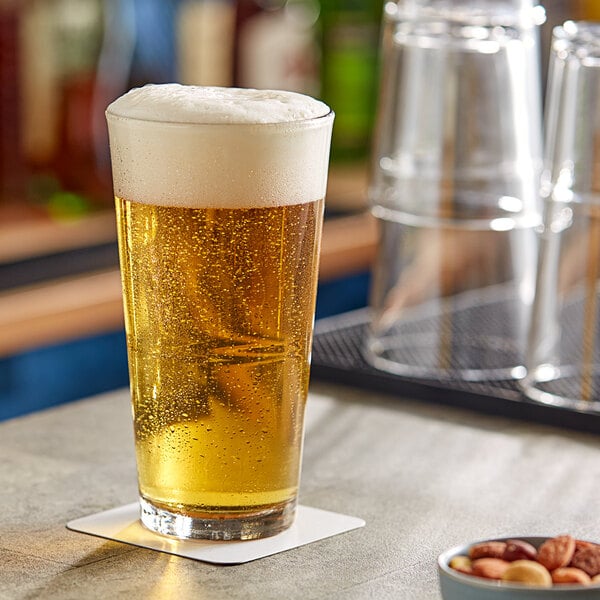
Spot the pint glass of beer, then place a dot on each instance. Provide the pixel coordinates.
(219, 198)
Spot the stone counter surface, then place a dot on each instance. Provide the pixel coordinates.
(423, 477)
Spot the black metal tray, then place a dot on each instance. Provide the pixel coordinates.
(337, 356)
(46, 267)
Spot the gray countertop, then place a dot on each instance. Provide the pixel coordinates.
(423, 477)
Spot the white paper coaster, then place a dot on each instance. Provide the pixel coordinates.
(122, 525)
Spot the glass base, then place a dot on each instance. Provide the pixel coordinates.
(236, 526)
(419, 361)
(475, 335)
(567, 386)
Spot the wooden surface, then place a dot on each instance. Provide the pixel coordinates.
(26, 238)
(57, 311)
(60, 310)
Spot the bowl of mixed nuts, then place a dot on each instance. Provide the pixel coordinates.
(522, 568)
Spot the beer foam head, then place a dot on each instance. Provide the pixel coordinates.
(192, 146)
(174, 103)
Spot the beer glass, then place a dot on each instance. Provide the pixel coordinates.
(563, 361)
(219, 199)
(454, 187)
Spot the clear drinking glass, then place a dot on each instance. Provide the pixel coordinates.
(563, 359)
(454, 187)
(219, 197)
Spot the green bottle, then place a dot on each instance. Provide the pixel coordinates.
(349, 79)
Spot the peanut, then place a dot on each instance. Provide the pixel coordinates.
(462, 564)
(559, 560)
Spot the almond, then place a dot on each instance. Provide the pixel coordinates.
(487, 550)
(490, 568)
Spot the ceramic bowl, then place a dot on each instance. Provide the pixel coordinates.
(458, 586)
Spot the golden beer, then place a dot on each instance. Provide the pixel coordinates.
(219, 271)
(219, 306)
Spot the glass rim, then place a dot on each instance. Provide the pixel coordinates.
(579, 40)
(527, 16)
(297, 123)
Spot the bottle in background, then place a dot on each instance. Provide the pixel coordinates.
(591, 10)
(350, 42)
(60, 42)
(276, 45)
(78, 38)
(12, 175)
(205, 35)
